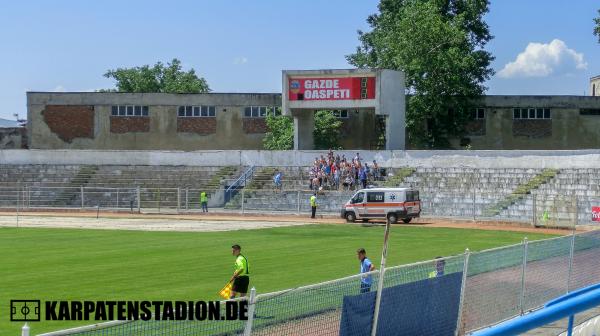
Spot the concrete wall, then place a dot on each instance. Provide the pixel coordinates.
(566, 129)
(473, 158)
(595, 86)
(13, 138)
(52, 128)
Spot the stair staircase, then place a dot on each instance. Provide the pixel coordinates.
(521, 192)
(66, 196)
(259, 180)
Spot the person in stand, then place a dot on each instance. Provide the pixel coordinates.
(241, 274)
(362, 175)
(277, 181)
(375, 171)
(365, 267)
(313, 205)
(204, 201)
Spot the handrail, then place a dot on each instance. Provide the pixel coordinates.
(564, 306)
(244, 177)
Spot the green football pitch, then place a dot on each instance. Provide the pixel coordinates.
(68, 264)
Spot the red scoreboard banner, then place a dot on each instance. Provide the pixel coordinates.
(342, 88)
(595, 214)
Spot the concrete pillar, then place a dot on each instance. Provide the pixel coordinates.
(393, 105)
(304, 125)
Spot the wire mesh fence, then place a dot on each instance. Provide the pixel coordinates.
(495, 285)
(536, 209)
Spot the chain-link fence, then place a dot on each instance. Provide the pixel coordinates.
(495, 285)
(540, 197)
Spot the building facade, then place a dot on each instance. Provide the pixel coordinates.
(161, 121)
(534, 122)
(157, 121)
(595, 86)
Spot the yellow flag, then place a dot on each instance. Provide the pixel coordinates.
(225, 293)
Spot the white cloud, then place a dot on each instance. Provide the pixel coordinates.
(59, 88)
(240, 60)
(543, 59)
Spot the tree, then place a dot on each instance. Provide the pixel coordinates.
(327, 130)
(280, 135)
(597, 28)
(158, 78)
(439, 46)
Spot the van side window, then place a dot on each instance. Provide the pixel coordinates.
(412, 196)
(374, 197)
(358, 198)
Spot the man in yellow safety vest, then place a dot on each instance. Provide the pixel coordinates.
(313, 205)
(204, 201)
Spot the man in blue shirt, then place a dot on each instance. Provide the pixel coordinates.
(365, 267)
(277, 180)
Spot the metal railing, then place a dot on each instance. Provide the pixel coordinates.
(239, 183)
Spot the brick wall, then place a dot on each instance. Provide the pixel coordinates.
(203, 126)
(129, 124)
(254, 125)
(70, 121)
(534, 128)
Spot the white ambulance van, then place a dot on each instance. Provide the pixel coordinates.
(383, 203)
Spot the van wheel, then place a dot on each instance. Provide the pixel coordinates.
(350, 217)
(365, 220)
(406, 220)
(393, 218)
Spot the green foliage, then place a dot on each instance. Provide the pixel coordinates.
(399, 176)
(280, 134)
(439, 46)
(597, 27)
(327, 130)
(158, 78)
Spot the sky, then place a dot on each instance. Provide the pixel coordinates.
(541, 46)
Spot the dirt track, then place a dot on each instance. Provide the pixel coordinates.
(221, 221)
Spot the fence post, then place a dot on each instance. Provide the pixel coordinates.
(178, 198)
(462, 292)
(28, 196)
(473, 203)
(139, 201)
(251, 307)
(534, 210)
(380, 280)
(187, 192)
(576, 217)
(82, 202)
(298, 203)
(158, 200)
(571, 256)
(523, 271)
(25, 330)
(117, 198)
(243, 194)
(18, 192)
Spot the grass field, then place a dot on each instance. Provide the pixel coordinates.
(66, 264)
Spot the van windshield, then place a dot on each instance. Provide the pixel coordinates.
(358, 198)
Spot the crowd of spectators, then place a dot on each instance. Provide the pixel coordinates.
(340, 173)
